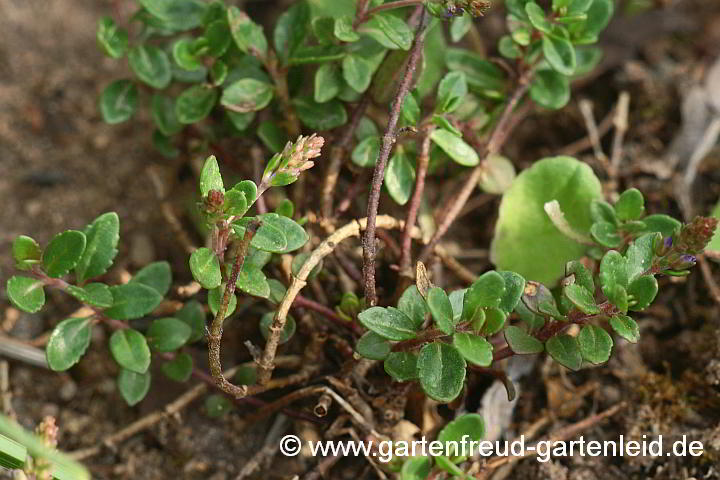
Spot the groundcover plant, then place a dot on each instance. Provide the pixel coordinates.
(395, 94)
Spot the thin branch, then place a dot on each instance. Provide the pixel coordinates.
(386, 6)
(216, 328)
(388, 140)
(422, 168)
(497, 139)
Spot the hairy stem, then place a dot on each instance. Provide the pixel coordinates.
(216, 328)
(388, 140)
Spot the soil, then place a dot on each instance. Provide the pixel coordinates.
(61, 166)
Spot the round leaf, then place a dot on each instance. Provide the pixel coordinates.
(373, 346)
(95, 294)
(195, 103)
(193, 315)
(389, 323)
(215, 297)
(133, 386)
(132, 300)
(441, 309)
(399, 178)
(26, 293)
(328, 83)
(550, 89)
(521, 342)
(247, 95)
(626, 327)
(474, 348)
(112, 39)
(102, 236)
(288, 330)
(366, 152)
(582, 299)
(168, 334)
(441, 369)
(156, 276)
(630, 205)
(455, 147)
(63, 252)
(151, 65)
(68, 343)
(643, 290)
(130, 350)
(565, 350)
(595, 344)
(179, 368)
(402, 366)
(118, 101)
(205, 268)
(560, 54)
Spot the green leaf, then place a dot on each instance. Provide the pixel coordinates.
(508, 48)
(613, 270)
(168, 334)
(640, 255)
(643, 291)
(184, 54)
(205, 268)
(195, 103)
(63, 252)
(459, 27)
(455, 147)
(235, 203)
(324, 30)
(291, 29)
(277, 291)
(217, 405)
(248, 35)
(441, 370)
(465, 428)
(299, 260)
(537, 17)
(163, 114)
(514, 285)
(457, 297)
(595, 344)
(565, 350)
(130, 350)
(373, 346)
(112, 39)
(601, 211)
(441, 309)
(582, 298)
(618, 296)
(156, 276)
(451, 91)
(540, 300)
(102, 236)
(274, 137)
(402, 366)
(396, 31)
(328, 82)
(248, 189)
(215, 297)
(416, 468)
(252, 280)
(560, 54)
(193, 315)
(486, 291)
(240, 121)
(598, 16)
(288, 329)
(26, 293)
(344, 30)
(357, 72)
(521, 342)
(474, 348)
(626, 327)
(524, 233)
(68, 342)
(630, 205)
(210, 178)
(179, 368)
(412, 304)
(606, 234)
(550, 89)
(164, 145)
(26, 252)
(294, 233)
(12, 454)
(320, 116)
(132, 300)
(247, 95)
(317, 54)
(389, 323)
(366, 152)
(483, 77)
(177, 14)
(218, 72)
(267, 238)
(411, 110)
(286, 208)
(95, 294)
(664, 224)
(133, 386)
(218, 37)
(494, 321)
(151, 65)
(400, 177)
(581, 274)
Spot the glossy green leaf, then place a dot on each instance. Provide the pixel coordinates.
(252, 280)
(168, 334)
(537, 17)
(151, 65)
(63, 252)
(581, 275)
(487, 291)
(112, 39)
(498, 175)
(508, 48)
(606, 234)
(177, 14)
(550, 89)
(247, 95)
(373, 346)
(402, 366)
(494, 321)
(640, 255)
(565, 350)
(400, 177)
(441, 310)
(218, 37)
(324, 30)
(613, 270)
(366, 152)
(582, 298)
(411, 110)
(389, 323)
(524, 233)
(132, 300)
(560, 54)
(396, 31)
(67, 343)
(320, 116)
(514, 285)
(184, 55)
(193, 314)
(248, 35)
(291, 29)
(455, 147)
(643, 290)
(521, 342)
(133, 386)
(102, 237)
(630, 205)
(451, 91)
(595, 344)
(248, 189)
(344, 30)
(205, 268)
(26, 293)
(483, 77)
(195, 103)
(441, 370)
(412, 304)
(598, 14)
(474, 348)
(626, 327)
(215, 298)
(210, 178)
(664, 224)
(26, 252)
(130, 350)
(155, 275)
(94, 294)
(179, 368)
(618, 296)
(328, 82)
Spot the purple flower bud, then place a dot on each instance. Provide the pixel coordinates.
(689, 259)
(668, 242)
